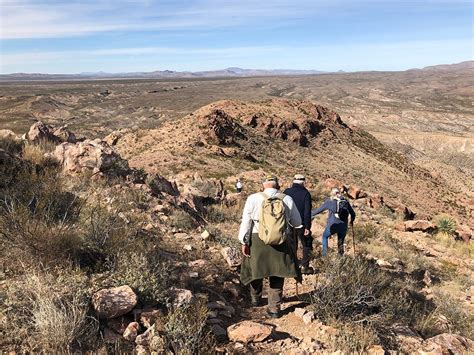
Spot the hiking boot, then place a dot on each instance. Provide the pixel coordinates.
(307, 270)
(273, 314)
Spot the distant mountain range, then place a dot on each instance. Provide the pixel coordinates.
(169, 74)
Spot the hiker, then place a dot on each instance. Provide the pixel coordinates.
(302, 199)
(265, 238)
(339, 210)
(238, 186)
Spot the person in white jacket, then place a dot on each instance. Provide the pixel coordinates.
(261, 260)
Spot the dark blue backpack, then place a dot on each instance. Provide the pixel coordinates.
(342, 209)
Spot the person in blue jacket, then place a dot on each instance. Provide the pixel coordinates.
(338, 219)
(302, 199)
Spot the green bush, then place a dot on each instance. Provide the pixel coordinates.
(146, 273)
(186, 331)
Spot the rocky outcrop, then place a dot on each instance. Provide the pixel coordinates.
(464, 233)
(419, 225)
(42, 132)
(8, 134)
(114, 302)
(159, 185)
(222, 129)
(356, 192)
(448, 344)
(248, 332)
(94, 156)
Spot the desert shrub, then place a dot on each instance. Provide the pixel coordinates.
(36, 215)
(146, 273)
(221, 237)
(356, 291)
(353, 338)
(106, 231)
(365, 232)
(446, 225)
(11, 145)
(449, 315)
(48, 311)
(186, 331)
(182, 220)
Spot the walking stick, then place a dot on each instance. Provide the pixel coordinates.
(295, 254)
(353, 239)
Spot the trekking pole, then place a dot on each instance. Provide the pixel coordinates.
(353, 239)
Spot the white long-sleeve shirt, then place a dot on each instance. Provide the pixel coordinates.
(252, 212)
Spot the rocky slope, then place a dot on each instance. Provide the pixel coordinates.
(175, 184)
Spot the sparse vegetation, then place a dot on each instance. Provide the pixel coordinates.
(182, 221)
(145, 273)
(187, 332)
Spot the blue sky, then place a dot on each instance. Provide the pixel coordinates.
(53, 36)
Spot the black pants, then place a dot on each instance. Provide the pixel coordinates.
(275, 291)
(307, 244)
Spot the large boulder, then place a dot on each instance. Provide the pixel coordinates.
(463, 233)
(248, 332)
(93, 156)
(356, 192)
(448, 344)
(419, 225)
(114, 302)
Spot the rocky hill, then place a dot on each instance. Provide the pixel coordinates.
(232, 139)
(127, 243)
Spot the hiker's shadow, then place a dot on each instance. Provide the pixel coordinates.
(299, 301)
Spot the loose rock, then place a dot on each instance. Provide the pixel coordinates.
(113, 302)
(248, 331)
(131, 331)
(232, 256)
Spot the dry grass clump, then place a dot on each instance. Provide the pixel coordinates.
(448, 316)
(39, 153)
(186, 331)
(49, 311)
(353, 338)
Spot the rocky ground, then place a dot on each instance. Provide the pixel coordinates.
(173, 187)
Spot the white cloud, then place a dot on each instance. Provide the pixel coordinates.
(29, 19)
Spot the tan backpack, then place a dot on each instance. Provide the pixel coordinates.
(272, 222)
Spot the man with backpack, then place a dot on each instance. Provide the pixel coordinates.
(302, 198)
(265, 237)
(339, 210)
